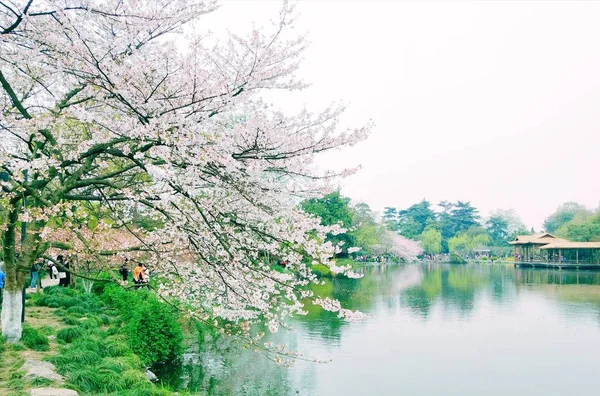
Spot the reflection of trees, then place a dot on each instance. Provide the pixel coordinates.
(455, 286)
(227, 369)
(556, 277)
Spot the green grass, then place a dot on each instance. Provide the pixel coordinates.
(69, 334)
(33, 339)
(46, 330)
(39, 382)
(96, 355)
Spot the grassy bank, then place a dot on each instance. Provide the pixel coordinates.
(101, 343)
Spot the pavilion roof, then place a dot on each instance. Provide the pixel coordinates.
(572, 245)
(541, 238)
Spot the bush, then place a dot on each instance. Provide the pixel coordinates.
(33, 339)
(457, 259)
(154, 333)
(69, 334)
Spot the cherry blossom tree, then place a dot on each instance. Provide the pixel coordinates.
(103, 118)
(403, 249)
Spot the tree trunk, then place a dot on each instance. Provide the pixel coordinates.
(12, 305)
(16, 271)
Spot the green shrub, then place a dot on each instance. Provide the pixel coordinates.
(2, 344)
(457, 259)
(104, 319)
(116, 348)
(69, 334)
(77, 355)
(133, 378)
(154, 333)
(33, 339)
(85, 380)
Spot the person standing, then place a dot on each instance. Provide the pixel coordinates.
(124, 270)
(2, 276)
(138, 272)
(51, 267)
(64, 277)
(34, 274)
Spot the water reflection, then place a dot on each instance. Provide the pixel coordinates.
(436, 329)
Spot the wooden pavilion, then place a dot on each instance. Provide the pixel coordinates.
(572, 252)
(547, 250)
(527, 247)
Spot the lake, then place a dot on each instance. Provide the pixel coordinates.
(433, 329)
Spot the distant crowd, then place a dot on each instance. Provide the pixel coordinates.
(373, 259)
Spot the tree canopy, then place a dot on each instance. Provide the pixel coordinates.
(105, 120)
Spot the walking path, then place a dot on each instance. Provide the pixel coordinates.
(46, 282)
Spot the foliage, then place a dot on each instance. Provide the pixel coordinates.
(333, 209)
(515, 224)
(154, 333)
(97, 363)
(563, 215)
(456, 258)
(117, 130)
(412, 221)
(583, 227)
(69, 334)
(497, 228)
(152, 329)
(466, 242)
(390, 218)
(431, 240)
(33, 339)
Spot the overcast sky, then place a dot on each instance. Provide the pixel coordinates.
(497, 103)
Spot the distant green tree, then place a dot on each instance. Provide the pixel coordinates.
(466, 242)
(497, 228)
(583, 232)
(431, 241)
(455, 218)
(366, 229)
(412, 221)
(564, 214)
(390, 218)
(464, 216)
(515, 224)
(584, 227)
(332, 209)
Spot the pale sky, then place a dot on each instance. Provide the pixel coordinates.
(497, 103)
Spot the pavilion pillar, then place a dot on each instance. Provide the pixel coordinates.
(577, 256)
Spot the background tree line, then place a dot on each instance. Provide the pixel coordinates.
(458, 226)
(364, 230)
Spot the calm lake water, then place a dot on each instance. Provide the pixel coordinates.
(435, 329)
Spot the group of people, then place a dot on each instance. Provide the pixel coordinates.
(58, 269)
(373, 259)
(141, 273)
